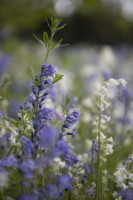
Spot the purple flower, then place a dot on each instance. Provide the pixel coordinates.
(27, 167)
(27, 197)
(87, 168)
(46, 114)
(71, 119)
(47, 137)
(32, 100)
(93, 153)
(28, 147)
(86, 175)
(51, 192)
(71, 133)
(1, 115)
(34, 90)
(91, 190)
(61, 148)
(126, 194)
(73, 101)
(71, 159)
(9, 161)
(48, 70)
(64, 182)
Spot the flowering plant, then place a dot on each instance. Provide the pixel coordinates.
(38, 159)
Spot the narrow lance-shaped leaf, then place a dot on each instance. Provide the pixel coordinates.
(40, 41)
(57, 78)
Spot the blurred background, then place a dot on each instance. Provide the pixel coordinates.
(91, 21)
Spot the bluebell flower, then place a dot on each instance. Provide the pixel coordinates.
(71, 133)
(71, 119)
(1, 114)
(126, 194)
(27, 167)
(48, 70)
(46, 137)
(46, 114)
(9, 161)
(51, 192)
(27, 197)
(42, 85)
(34, 90)
(26, 105)
(61, 148)
(73, 102)
(71, 159)
(86, 175)
(91, 190)
(36, 78)
(87, 168)
(42, 99)
(65, 182)
(93, 153)
(32, 100)
(28, 147)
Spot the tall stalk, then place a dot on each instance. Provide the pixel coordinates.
(99, 168)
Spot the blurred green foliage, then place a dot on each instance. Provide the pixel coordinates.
(91, 21)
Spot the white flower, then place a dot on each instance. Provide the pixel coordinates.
(110, 139)
(3, 179)
(109, 149)
(57, 165)
(121, 176)
(106, 118)
(102, 137)
(123, 82)
(2, 131)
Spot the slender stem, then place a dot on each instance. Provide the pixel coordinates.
(49, 45)
(46, 57)
(12, 147)
(2, 194)
(66, 196)
(98, 181)
(92, 161)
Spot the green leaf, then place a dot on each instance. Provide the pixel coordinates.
(57, 78)
(48, 24)
(40, 41)
(11, 121)
(60, 27)
(35, 83)
(56, 44)
(46, 39)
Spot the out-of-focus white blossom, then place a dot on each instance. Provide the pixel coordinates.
(3, 180)
(57, 165)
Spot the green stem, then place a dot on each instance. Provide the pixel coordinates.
(49, 46)
(92, 162)
(98, 180)
(2, 194)
(47, 53)
(66, 196)
(13, 146)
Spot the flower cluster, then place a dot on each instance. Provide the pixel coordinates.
(124, 180)
(38, 147)
(42, 157)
